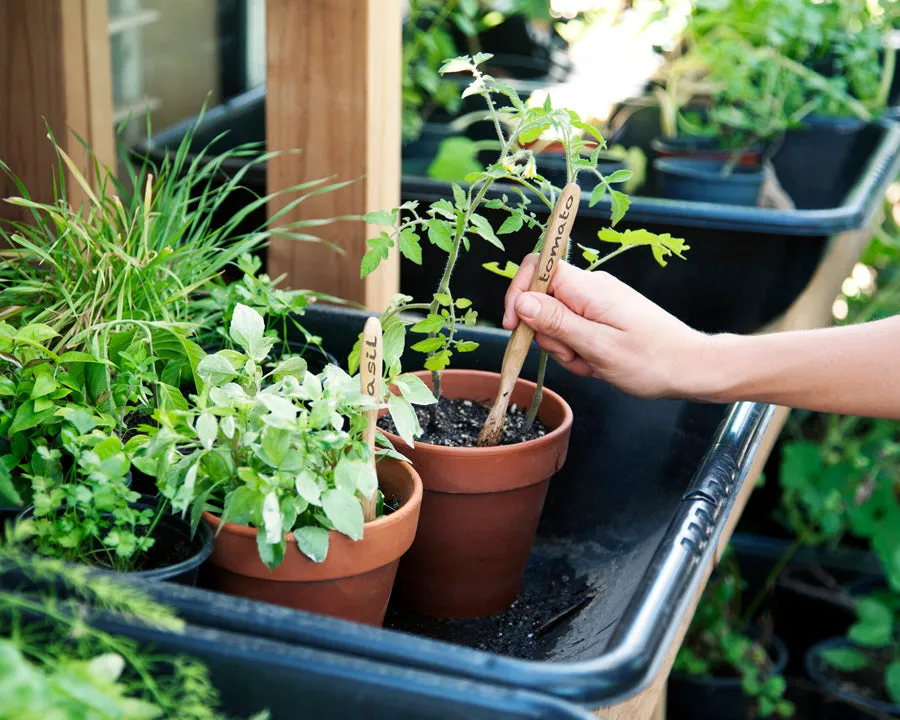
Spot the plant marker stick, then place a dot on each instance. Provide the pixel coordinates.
(370, 372)
(554, 249)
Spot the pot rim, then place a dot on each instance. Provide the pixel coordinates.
(705, 169)
(550, 438)
(818, 677)
(382, 523)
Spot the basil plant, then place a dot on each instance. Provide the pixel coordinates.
(273, 447)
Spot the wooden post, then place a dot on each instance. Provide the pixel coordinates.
(54, 66)
(333, 91)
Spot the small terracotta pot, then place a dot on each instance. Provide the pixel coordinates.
(481, 507)
(356, 578)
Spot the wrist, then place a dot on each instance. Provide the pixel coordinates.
(713, 372)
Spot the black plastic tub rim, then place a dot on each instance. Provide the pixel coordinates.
(637, 648)
(857, 209)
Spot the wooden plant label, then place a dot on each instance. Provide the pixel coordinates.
(370, 374)
(553, 251)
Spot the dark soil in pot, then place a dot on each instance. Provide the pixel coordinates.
(690, 697)
(458, 423)
(856, 695)
(553, 596)
(176, 556)
(704, 148)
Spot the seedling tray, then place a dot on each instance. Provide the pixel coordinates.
(628, 529)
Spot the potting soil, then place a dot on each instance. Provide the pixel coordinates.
(551, 596)
(458, 423)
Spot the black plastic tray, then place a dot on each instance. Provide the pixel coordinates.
(633, 517)
(254, 674)
(746, 265)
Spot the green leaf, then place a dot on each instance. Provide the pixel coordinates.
(379, 249)
(344, 511)
(443, 300)
(874, 626)
(379, 217)
(597, 194)
(438, 361)
(846, 659)
(37, 333)
(405, 419)
(215, 370)
(466, 346)
(431, 324)
(307, 487)
(460, 64)
(512, 224)
(892, 681)
(620, 203)
(293, 366)
(508, 271)
(44, 382)
(393, 342)
(456, 158)
(459, 195)
(355, 476)
(276, 444)
(483, 228)
(410, 247)
(76, 356)
(270, 554)
(662, 246)
(247, 330)
(414, 390)
(463, 303)
(207, 429)
(28, 417)
(430, 344)
(312, 542)
(619, 176)
(272, 518)
(440, 234)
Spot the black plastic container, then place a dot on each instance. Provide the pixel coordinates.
(690, 697)
(173, 528)
(627, 532)
(838, 703)
(252, 674)
(706, 181)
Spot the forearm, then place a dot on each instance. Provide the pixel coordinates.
(852, 370)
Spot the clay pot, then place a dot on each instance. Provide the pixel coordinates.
(354, 582)
(481, 507)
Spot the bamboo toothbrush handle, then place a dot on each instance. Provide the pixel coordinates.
(556, 241)
(370, 373)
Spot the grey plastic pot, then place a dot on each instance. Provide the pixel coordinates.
(705, 181)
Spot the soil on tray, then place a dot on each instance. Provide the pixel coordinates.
(867, 683)
(551, 596)
(458, 423)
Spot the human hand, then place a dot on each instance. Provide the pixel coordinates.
(595, 325)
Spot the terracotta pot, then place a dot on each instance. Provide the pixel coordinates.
(481, 507)
(356, 578)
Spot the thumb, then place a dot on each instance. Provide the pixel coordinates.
(548, 316)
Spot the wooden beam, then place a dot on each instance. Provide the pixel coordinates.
(333, 91)
(54, 67)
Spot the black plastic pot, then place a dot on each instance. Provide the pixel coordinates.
(708, 181)
(690, 697)
(833, 145)
(806, 609)
(171, 528)
(839, 703)
(703, 148)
